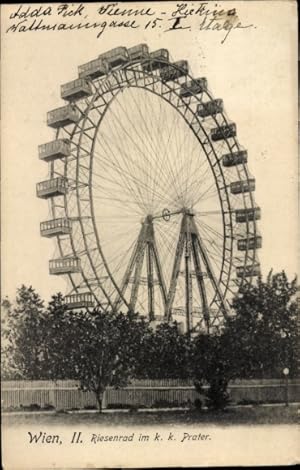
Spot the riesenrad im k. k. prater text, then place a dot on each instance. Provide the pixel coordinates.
(150, 198)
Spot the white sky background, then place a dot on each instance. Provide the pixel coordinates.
(254, 71)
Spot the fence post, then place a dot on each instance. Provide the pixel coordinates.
(52, 396)
(104, 400)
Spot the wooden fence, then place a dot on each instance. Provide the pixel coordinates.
(65, 394)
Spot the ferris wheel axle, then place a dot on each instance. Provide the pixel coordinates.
(166, 214)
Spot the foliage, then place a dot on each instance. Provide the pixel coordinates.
(7, 367)
(99, 349)
(60, 338)
(165, 354)
(258, 341)
(102, 349)
(23, 337)
(213, 364)
(264, 327)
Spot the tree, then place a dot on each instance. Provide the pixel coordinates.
(61, 330)
(264, 327)
(258, 341)
(7, 365)
(214, 363)
(165, 353)
(99, 349)
(24, 335)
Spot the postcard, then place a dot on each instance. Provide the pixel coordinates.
(150, 234)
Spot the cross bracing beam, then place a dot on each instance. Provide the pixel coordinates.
(191, 245)
(128, 272)
(150, 281)
(188, 279)
(138, 270)
(209, 270)
(145, 245)
(175, 272)
(159, 272)
(200, 281)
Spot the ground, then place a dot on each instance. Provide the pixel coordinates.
(239, 415)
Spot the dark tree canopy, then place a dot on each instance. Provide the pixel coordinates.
(265, 326)
(24, 335)
(99, 349)
(165, 353)
(102, 349)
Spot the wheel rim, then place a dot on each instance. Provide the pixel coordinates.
(85, 203)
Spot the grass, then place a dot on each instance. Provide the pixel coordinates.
(234, 416)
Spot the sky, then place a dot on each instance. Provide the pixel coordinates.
(254, 71)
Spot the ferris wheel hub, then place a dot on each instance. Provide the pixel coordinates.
(166, 214)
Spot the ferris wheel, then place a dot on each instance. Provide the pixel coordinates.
(151, 202)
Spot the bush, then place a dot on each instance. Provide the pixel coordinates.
(173, 404)
(133, 408)
(90, 407)
(121, 406)
(31, 407)
(198, 404)
(164, 404)
(217, 397)
(49, 407)
(246, 401)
